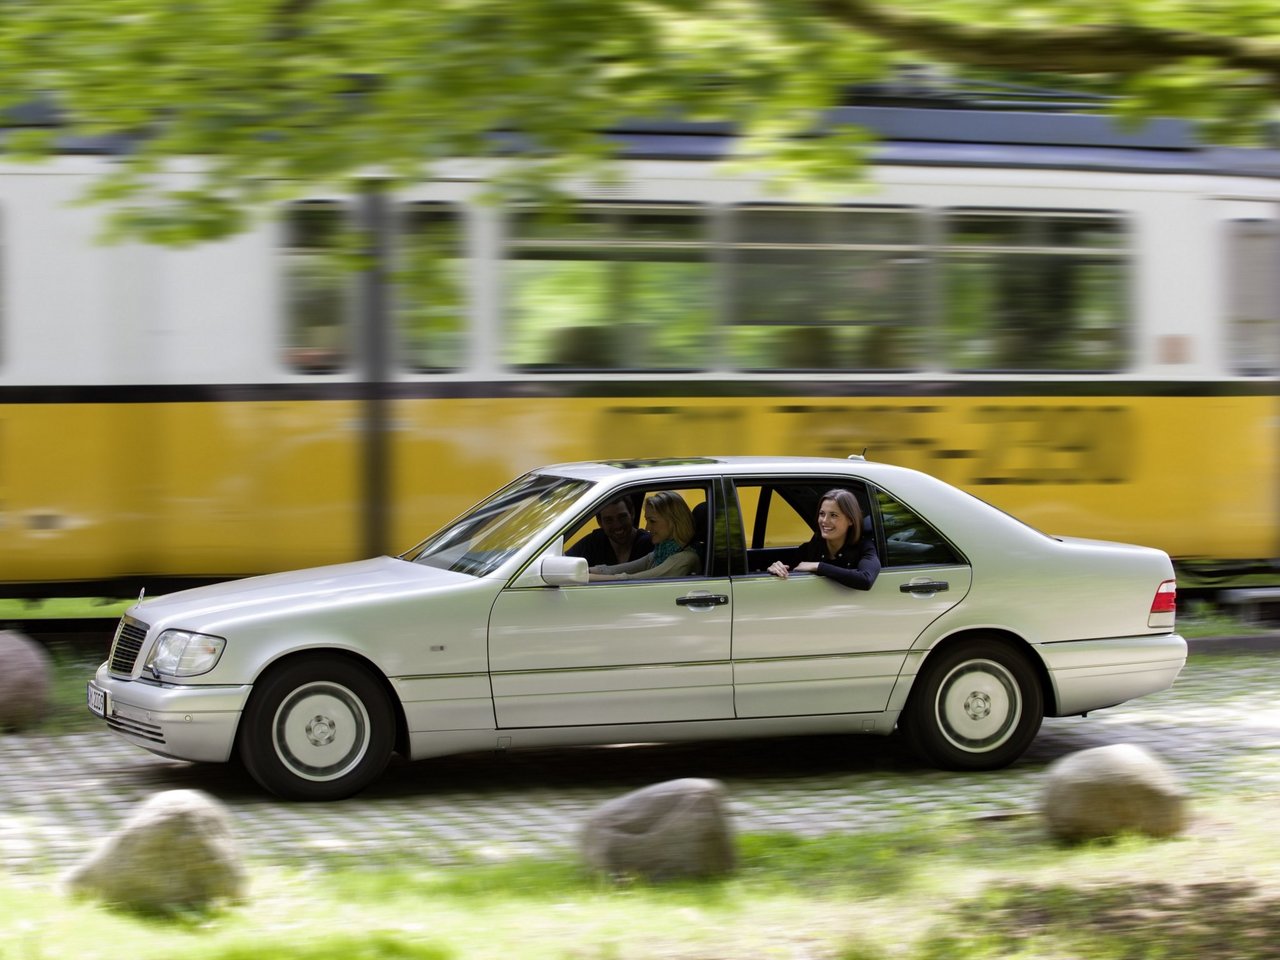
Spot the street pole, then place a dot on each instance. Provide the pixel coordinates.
(375, 336)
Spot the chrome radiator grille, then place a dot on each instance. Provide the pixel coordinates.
(126, 646)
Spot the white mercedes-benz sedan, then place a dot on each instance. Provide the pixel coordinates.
(491, 634)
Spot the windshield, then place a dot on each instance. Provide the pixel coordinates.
(489, 533)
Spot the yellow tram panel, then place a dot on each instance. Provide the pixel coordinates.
(96, 491)
(226, 488)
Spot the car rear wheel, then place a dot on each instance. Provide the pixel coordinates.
(317, 729)
(975, 706)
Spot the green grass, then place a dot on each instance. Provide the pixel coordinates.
(1198, 618)
(65, 608)
(72, 669)
(944, 888)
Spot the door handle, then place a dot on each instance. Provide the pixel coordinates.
(702, 600)
(925, 586)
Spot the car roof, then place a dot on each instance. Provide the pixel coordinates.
(666, 468)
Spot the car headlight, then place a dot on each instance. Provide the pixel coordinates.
(180, 653)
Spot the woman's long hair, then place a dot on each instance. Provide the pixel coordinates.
(671, 507)
(847, 504)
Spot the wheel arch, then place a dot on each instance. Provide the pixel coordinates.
(401, 745)
(1008, 638)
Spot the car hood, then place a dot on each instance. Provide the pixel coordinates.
(364, 581)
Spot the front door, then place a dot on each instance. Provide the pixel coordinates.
(632, 651)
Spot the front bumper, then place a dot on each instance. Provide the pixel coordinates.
(183, 722)
(1092, 674)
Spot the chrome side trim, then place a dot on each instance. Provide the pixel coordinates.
(612, 667)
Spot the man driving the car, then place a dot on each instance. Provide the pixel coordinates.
(617, 539)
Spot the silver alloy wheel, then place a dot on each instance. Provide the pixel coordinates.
(321, 731)
(978, 705)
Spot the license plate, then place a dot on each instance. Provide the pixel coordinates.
(97, 700)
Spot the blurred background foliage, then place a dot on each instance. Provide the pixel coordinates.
(277, 98)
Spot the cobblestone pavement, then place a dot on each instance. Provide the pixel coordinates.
(1219, 728)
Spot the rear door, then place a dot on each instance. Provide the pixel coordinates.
(807, 645)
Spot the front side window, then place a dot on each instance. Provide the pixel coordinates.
(1035, 291)
(630, 525)
(826, 289)
(609, 287)
(318, 289)
(494, 530)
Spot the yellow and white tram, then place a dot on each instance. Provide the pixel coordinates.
(1076, 323)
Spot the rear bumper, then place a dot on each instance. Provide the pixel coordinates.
(186, 723)
(1092, 674)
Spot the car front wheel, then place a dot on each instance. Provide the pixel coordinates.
(317, 729)
(975, 706)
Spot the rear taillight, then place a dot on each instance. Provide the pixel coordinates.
(1166, 599)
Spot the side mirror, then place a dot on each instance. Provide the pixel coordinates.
(559, 571)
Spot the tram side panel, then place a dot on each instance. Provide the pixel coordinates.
(148, 427)
(68, 500)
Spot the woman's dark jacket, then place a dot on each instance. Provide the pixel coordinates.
(856, 565)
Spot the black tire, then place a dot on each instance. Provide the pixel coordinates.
(317, 728)
(975, 706)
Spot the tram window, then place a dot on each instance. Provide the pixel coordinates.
(1253, 347)
(835, 288)
(318, 289)
(430, 301)
(609, 287)
(1034, 291)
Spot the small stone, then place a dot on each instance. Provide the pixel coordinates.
(1108, 791)
(25, 672)
(672, 830)
(176, 852)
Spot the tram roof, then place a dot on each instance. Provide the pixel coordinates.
(909, 132)
(962, 137)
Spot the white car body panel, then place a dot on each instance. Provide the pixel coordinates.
(608, 653)
(1087, 673)
(806, 645)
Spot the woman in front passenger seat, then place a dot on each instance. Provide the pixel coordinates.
(670, 523)
(838, 550)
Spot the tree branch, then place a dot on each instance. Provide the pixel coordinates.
(1116, 49)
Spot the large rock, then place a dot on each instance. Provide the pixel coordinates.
(24, 681)
(1112, 790)
(668, 831)
(175, 853)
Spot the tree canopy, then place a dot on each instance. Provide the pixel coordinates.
(275, 96)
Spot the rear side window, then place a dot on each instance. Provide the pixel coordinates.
(908, 539)
(777, 516)
(772, 522)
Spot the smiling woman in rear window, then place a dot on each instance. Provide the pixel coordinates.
(838, 550)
